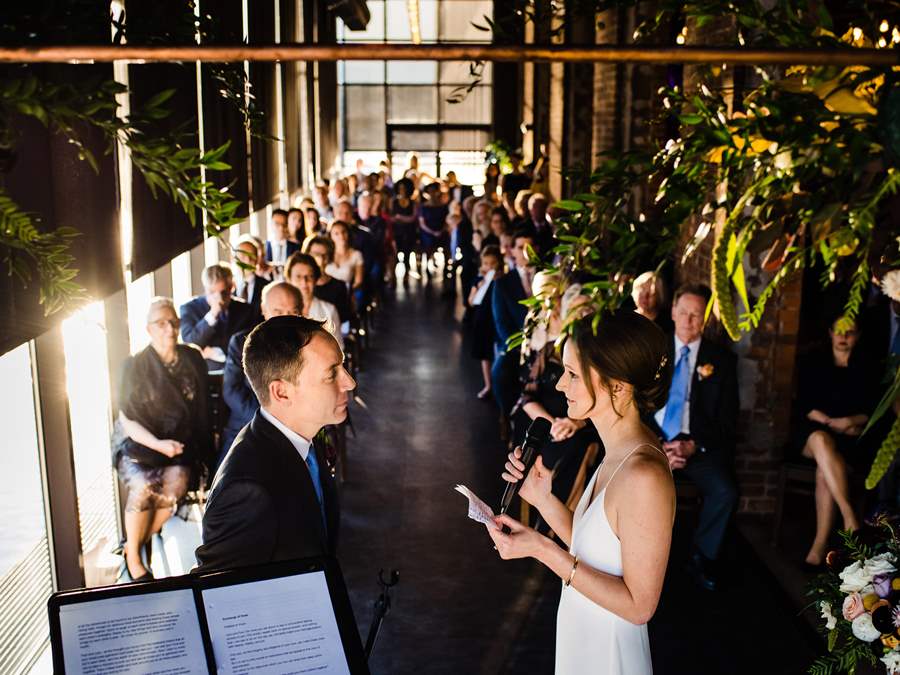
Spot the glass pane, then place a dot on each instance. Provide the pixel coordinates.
(370, 159)
(87, 385)
(25, 581)
(138, 295)
(468, 165)
(364, 117)
(363, 72)
(457, 17)
(181, 278)
(475, 108)
(412, 104)
(398, 21)
(464, 140)
(414, 141)
(457, 72)
(412, 72)
(374, 31)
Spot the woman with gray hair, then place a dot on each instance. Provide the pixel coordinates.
(162, 430)
(649, 295)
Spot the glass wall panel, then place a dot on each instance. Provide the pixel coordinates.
(398, 29)
(411, 72)
(181, 279)
(475, 108)
(457, 17)
(412, 105)
(464, 140)
(25, 579)
(364, 117)
(362, 72)
(415, 141)
(138, 295)
(88, 388)
(458, 72)
(374, 31)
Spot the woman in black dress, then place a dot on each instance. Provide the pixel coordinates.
(403, 212)
(833, 404)
(162, 432)
(483, 335)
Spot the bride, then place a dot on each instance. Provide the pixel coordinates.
(619, 536)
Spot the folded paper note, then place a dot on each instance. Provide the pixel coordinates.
(478, 510)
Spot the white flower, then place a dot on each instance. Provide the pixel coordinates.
(891, 285)
(891, 660)
(854, 578)
(863, 628)
(830, 620)
(880, 564)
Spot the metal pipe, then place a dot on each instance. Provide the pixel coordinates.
(450, 52)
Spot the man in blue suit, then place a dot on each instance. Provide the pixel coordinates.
(210, 320)
(278, 299)
(509, 318)
(279, 246)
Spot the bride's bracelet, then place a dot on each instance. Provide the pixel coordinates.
(572, 573)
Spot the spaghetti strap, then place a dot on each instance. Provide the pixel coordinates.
(625, 459)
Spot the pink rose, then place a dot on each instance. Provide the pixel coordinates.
(853, 606)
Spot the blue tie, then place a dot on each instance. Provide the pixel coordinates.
(313, 464)
(671, 425)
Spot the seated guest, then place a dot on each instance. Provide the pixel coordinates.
(517, 208)
(649, 295)
(263, 268)
(249, 284)
(296, 225)
(370, 240)
(313, 226)
(483, 335)
(210, 320)
(432, 213)
(347, 265)
(570, 439)
(161, 432)
(499, 225)
(403, 213)
(278, 299)
(509, 319)
(338, 193)
(698, 426)
(321, 202)
(274, 497)
(540, 225)
(279, 246)
(835, 395)
(343, 211)
(302, 272)
(328, 288)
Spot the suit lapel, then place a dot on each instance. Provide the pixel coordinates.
(299, 472)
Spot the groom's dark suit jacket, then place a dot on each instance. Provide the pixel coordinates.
(263, 507)
(714, 401)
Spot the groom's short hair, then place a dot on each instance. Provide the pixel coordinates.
(274, 351)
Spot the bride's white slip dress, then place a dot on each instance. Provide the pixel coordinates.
(590, 639)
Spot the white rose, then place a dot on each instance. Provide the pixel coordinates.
(863, 628)
(854, 578)
(890, 284)
(830, 620)
(891, 660)
(880, 564)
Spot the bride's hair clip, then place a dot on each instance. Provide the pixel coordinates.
(662, 364)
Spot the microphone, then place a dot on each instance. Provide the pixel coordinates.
(537, 434)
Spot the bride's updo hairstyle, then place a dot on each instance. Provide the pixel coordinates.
(626, 347)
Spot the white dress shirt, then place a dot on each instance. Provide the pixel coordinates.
(301, 445)
(249, 284)
(692, 363)
(526, 274)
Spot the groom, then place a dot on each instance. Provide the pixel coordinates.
(697, 426)
(274, 497)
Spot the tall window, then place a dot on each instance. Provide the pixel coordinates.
(25, 578)
(138, 295)
(87, 385)
(397, 107)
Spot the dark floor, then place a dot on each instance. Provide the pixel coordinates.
(458, 608)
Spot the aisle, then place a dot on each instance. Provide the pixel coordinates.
(422, 432)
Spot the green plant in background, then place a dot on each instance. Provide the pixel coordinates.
(499, 152)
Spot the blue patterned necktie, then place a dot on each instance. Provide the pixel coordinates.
(671, 425)
(313, 464)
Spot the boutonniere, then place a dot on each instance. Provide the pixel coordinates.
(705, 371)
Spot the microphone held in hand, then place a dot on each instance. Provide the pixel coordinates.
(535, 437)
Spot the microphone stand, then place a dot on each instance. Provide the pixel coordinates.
(382, 607)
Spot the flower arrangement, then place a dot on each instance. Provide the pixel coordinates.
(858, 597)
